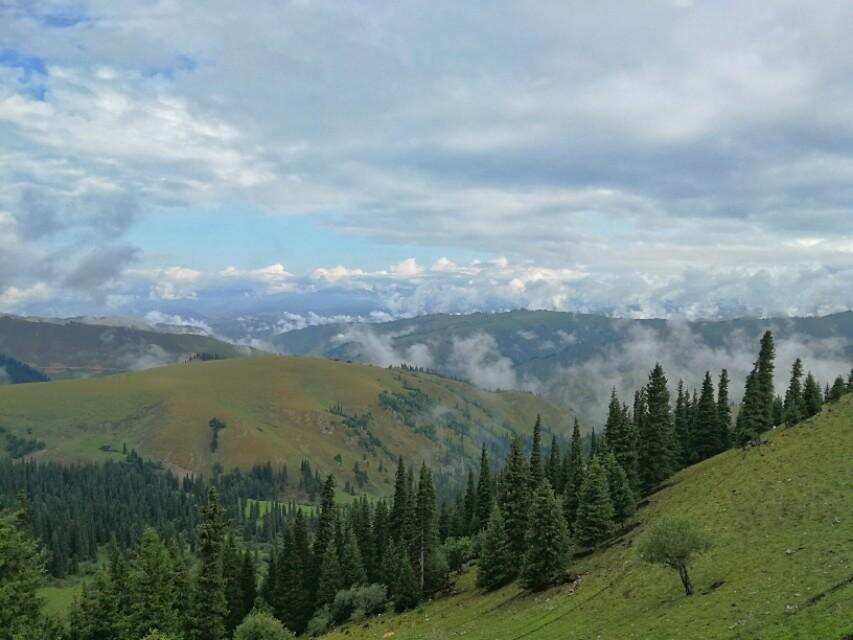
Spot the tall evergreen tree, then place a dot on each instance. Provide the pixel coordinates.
(330, 580)
(621, 493)
(573, 478)
(812, 400)
(407, 593)
(485, 495)
(427, 562)
(351, 563)
(548, 551)
(794, 410)
(764, 381)
(707, 438)
(470, 502)
(595, 519)
(681, 418)
(747, 425)
(515, 501)
(208, 606)
(21, 567)
(400, 503)
(537, 474)
(724, 410)
(496, 566)
(553, 468)
(152, 588)
(658, 448)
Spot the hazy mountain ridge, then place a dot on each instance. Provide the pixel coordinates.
(577, 358)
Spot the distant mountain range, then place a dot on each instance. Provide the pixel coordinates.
(79, 347)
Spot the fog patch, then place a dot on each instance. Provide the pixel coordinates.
(147, 358)
(378, 348)
(478, 359)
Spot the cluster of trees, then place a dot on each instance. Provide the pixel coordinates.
(17, 372)
(77, 509)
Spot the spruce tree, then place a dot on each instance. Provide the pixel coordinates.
(407, 593)
(496, 566)
(764, 382)
(554, 465)
(658, 449)
(208, 606)
(681, 418)
(794, 410)
(352, 566)
(152, 588)
(621, 493)
(470, 502)
(400, 503)
(724, 410)
(21, 567)
(330, 580)
(812, 400)
(515, 501)
(838, 389)
(707, 440)
(573, 478)
(746, 425)
(536, 472)
(427, 564)
(595, 518)
(548, 551)
(485, 498)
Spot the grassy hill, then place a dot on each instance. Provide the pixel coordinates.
(277, 409)
(781, 517)
(69, 348)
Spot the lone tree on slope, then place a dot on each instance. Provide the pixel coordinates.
(673, 543)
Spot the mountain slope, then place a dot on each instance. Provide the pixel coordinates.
(781, 566)
(277, 409)
(69, 348)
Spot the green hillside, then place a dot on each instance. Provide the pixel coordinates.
(781, 518)
(69, 348)
(277, 409)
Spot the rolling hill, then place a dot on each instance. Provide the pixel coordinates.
(781, 567)
(77, 348)
(277, 409)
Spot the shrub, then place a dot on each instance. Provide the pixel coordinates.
(458, 551)
(320, 623)
(371, 599)
(260, 625)
(672, 543)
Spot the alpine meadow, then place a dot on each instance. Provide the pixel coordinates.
(426, 320)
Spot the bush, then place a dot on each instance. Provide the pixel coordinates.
(320, 623)
(260, 625)
(371, 599)
(367, 600)
(458, 551)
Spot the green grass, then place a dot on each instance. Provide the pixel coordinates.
(276, 409)
(781, 517)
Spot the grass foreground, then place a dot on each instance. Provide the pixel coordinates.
(781, 568)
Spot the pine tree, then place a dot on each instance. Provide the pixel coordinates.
(485, 499)
(248, 581)
(595, 519)
(400, 503)
(573, 478)
(379, 534)
(427, 564)
(764, 382)
(352, 566)
(621, 494)
(470, 503)
(778, 411)
(496, 566)
(537, 474)
(707, 440)
(794, 410)
(324, 533)
(21, 567)
(208, 606)
(724, 410)
(681, 417)
(838, 389)
(515, 501)
(152, 588)
(554, 464)
(548, 550)
(407, 593)
(812, 400)
(330, 580)
(659, 453)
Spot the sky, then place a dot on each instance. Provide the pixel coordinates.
(667, 158)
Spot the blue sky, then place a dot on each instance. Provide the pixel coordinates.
(665, 158)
